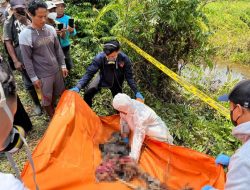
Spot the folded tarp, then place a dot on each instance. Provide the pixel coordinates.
(68, 154)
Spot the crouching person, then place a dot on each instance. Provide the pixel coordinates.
(142, 120)
(239, 164)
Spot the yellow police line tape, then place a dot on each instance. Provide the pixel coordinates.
(221, 109)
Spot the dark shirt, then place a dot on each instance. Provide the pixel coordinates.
(11, 31)
(109, 73)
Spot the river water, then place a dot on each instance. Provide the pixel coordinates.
(221, 73)
(237, 70)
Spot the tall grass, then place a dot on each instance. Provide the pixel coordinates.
(230, 29)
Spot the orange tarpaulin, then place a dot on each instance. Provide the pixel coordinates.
(68, 154)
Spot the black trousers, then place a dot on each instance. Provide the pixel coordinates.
(21, 117)
(94, 87)
(68, 59)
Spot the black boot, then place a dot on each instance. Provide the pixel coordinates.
(21, 117)
(34, 97)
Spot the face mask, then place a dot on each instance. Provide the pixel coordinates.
(234, 122)
(52, 16)
(111, 60)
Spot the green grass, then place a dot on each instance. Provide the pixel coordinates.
(230, 26)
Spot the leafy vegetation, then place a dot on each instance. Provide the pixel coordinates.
(229, 22)
(158, 28)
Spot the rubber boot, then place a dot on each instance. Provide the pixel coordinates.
(21, 117)
(34, 97)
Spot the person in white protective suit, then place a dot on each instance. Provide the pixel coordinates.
(9, 136)
(142, 120)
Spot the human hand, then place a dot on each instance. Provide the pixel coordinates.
(70, 29)
(222, 159)
(58, 32)
(18, 65)
(139, 95)
(37, 84)
(125, 140)
(61, 32)
(65, 72)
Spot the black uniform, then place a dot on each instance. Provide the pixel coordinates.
(111, 76)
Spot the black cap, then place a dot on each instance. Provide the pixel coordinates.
(240, 94)
(111, 46)
(17, 4)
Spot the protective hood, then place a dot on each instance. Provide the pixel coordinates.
(242, 131)
(123, 103)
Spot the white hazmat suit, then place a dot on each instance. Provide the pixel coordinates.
(141, 119)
